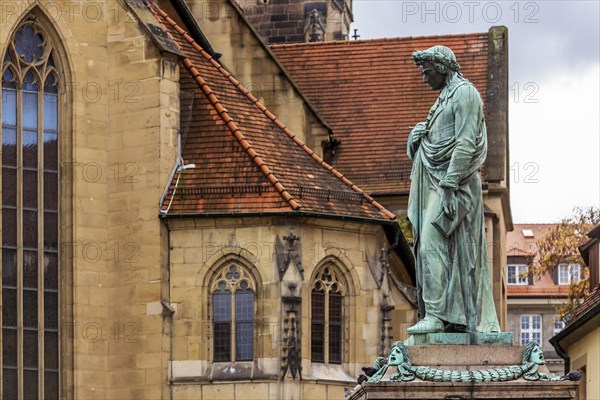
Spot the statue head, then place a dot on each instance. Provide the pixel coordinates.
(436, 63)
(398, 354)
(533, 353)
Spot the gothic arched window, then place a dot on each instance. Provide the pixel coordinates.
(232, 294)
(327, 311)
(30, 134)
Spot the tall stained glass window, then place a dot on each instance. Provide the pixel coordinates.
(233, 315)
(30, 134)
(327, 318)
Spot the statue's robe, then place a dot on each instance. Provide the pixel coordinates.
(448, 150)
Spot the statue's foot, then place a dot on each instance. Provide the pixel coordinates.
(427, 325)
(455, 328)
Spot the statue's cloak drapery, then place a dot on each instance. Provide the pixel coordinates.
(453, 280)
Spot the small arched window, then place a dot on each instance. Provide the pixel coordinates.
(327, 312)
(232, 295)
(30, 134)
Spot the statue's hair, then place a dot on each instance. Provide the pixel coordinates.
(403, 349)
(529, 347)
(442, 58)
(379, 362)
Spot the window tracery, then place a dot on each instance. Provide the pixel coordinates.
(232, 293)
(327, 303)
(30, 133)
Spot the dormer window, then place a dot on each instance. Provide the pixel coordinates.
(568, 273)
(517, 274)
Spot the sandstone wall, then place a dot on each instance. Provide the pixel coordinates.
(119, 119)
(201, 246)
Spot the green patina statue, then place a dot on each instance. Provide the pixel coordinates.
(400, 369)
(445, 205)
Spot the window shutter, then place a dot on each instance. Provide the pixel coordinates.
(555, 274)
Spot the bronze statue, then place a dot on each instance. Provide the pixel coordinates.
(445, 205)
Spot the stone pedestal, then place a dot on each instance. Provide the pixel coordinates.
(457, 357)
(519, 389)
(479, 338)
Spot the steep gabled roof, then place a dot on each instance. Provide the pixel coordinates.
(371, 94)
(246, 160)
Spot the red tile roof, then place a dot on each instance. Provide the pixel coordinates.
(580, 322)
(371, 93)
(246, 160)
(518, 245)
(542, 287)
(588, 304)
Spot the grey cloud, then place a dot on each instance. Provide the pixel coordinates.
(545, 37)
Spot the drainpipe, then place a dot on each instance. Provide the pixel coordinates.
(169, 304)
(561, 353)
(178, 167)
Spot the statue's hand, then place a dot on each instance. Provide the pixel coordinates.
(449, 202)
(414, 138)
(418, 131)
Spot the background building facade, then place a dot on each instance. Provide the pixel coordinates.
(579, 342)
(533, 300)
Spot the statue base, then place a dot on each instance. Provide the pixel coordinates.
(479, 338)
(458, 357)
(523, 390)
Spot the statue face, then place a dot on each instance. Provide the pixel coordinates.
(432, 77)
(537, 356)
(396, 357)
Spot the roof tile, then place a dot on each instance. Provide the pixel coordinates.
(371, 93)
(246, 160)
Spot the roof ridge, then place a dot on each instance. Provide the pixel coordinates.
(366, 41)
(222, 112)
(246, 146)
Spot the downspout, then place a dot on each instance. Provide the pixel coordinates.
(169, 303)
(561, 353)
(179, 166)
(168, 184)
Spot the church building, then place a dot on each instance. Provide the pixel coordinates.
(167, 233)
(190, 213)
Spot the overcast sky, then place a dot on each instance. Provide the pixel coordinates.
(554, 97)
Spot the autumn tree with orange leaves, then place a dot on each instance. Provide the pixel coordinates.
(561, 245)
